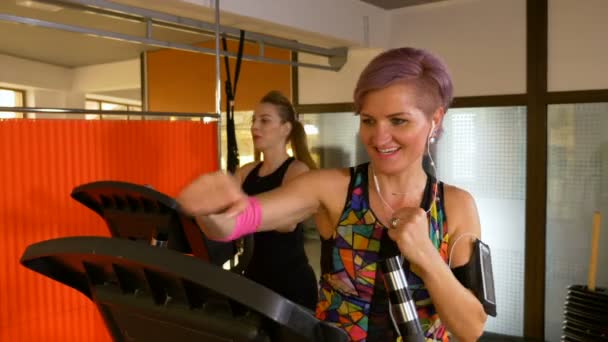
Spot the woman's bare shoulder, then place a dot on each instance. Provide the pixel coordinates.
(333, 186)
(456, 194)
(323, 182)
(295, 169)
(329, 176)
(461, 210)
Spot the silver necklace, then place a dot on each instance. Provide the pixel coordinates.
(377, 186)
(379, 192)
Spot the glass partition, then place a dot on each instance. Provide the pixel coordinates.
(483, 150)
(577, 185)
(334, 140)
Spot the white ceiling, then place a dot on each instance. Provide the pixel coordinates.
(70, 49)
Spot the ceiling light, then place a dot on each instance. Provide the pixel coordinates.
(311, 129)
(39, 5)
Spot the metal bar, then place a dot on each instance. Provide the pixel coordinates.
(578, 96)
(218, 84)
(294, 45)
(341, 107)
(295, 87)
(218, 80)
(151, 42)
(159, 17)
(536, 170)
(149, 29)
(70, 111)
(490, 101)
(144, 81)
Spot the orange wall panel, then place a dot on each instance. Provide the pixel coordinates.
(41, 161)
(185, 81)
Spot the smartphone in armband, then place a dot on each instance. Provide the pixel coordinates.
(488, 299)
(477, 276)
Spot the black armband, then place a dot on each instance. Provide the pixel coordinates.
(477, 276)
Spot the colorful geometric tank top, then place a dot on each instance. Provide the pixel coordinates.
(351, 289)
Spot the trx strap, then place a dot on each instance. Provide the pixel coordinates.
(232, 155)
(244, 246)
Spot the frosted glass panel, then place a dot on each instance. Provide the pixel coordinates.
(483, 150)
(333, 139)
(577, 185)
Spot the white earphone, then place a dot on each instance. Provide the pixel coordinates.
(431, 138)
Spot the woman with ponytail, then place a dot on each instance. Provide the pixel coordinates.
(279, 261)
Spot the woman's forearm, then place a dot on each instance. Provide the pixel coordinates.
(219, 205)
(233, 224)
(457, 307)
(261, 213)
(216, 227)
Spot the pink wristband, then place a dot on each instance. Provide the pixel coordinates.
(247, 222)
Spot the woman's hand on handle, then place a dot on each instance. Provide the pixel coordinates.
(458, 308)
(409, 228)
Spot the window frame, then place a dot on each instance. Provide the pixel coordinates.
(22, 92)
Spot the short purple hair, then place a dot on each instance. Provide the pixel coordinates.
(414, 66)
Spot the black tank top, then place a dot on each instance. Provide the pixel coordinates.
(279, 260)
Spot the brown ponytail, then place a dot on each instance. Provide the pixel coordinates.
(297, 136)
(299, 145)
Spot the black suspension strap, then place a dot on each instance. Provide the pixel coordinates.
(232, 155)
(244, 247)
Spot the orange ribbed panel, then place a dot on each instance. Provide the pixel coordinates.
(41, 161)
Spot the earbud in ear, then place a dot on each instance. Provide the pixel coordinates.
(432, 133)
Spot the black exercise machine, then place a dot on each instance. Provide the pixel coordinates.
(148, 293)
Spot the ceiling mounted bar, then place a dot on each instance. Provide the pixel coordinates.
(218, 90)
(336, 56)
(71, 111)
(153, 42)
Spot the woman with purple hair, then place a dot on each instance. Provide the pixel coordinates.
(369, 212)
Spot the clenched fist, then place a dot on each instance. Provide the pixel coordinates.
(213, 193)
(410, 230)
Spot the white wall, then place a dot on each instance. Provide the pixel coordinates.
(23, 72)
(108, 77)
(578, 45)
(46, 98)
(322, 86)
(482, 41)
(52, 86)
(340, 19)
(46, 85)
